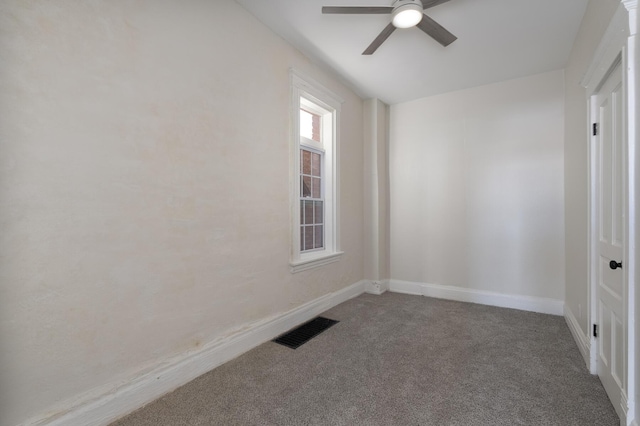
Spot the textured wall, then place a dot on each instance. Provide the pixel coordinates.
(594, 24)
(476, 188)
(144, 189)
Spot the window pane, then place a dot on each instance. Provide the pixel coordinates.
(318, 207)
(302, 238)
(316, 128)
(319, 236)
(315, 164)
(305, 162)
(305, 186)
(316, 188)
(308, 212)
(308, 238)
(310, 125)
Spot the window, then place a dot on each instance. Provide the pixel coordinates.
(315, 117)
(311, 201)
(312, 154)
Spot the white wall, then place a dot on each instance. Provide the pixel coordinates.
(144, 189)
(593, 26)
(477, 188)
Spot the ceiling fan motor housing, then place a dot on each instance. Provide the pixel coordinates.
(398, 3)
(407, 13)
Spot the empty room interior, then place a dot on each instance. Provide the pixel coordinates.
(453, 183)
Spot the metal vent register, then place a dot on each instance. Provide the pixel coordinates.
(307, 331)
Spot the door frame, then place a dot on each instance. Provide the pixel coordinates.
(616, 47)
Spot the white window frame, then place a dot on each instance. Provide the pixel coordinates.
(304, 87)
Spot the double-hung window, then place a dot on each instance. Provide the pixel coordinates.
(315, 118)
(311, 177)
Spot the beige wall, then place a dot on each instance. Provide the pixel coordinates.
(144, 189)
(477, 188)
(594, 23)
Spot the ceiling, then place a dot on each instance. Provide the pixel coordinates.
(498, 40)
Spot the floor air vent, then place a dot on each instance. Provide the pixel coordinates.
(307, 331)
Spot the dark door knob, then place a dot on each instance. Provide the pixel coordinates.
(615, 265)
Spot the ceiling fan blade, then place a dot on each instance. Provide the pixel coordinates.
(437, 31)
(366, 10)
(426, 4)
(380, 39)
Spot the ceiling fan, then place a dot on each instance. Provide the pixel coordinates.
(406, 14)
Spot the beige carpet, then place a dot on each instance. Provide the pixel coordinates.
(401, 360)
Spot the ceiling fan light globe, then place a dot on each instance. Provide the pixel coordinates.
(407, 16)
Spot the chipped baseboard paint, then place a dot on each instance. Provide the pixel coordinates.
(102, 406)
(376, 287)
(624, 408)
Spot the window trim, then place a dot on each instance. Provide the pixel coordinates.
(303, 86)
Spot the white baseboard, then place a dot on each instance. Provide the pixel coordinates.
(624, 407)
(524, 303)
(376, 287)
(97, 408)
(578, 335)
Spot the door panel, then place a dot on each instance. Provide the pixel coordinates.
(618, 370)
(610, 293)
(618, 190)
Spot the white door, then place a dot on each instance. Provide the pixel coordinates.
(610, 202)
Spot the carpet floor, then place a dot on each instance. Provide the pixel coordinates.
(401, 360)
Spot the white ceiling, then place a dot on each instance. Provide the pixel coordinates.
(497, 40)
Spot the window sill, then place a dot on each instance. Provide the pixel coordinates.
(314, 262)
